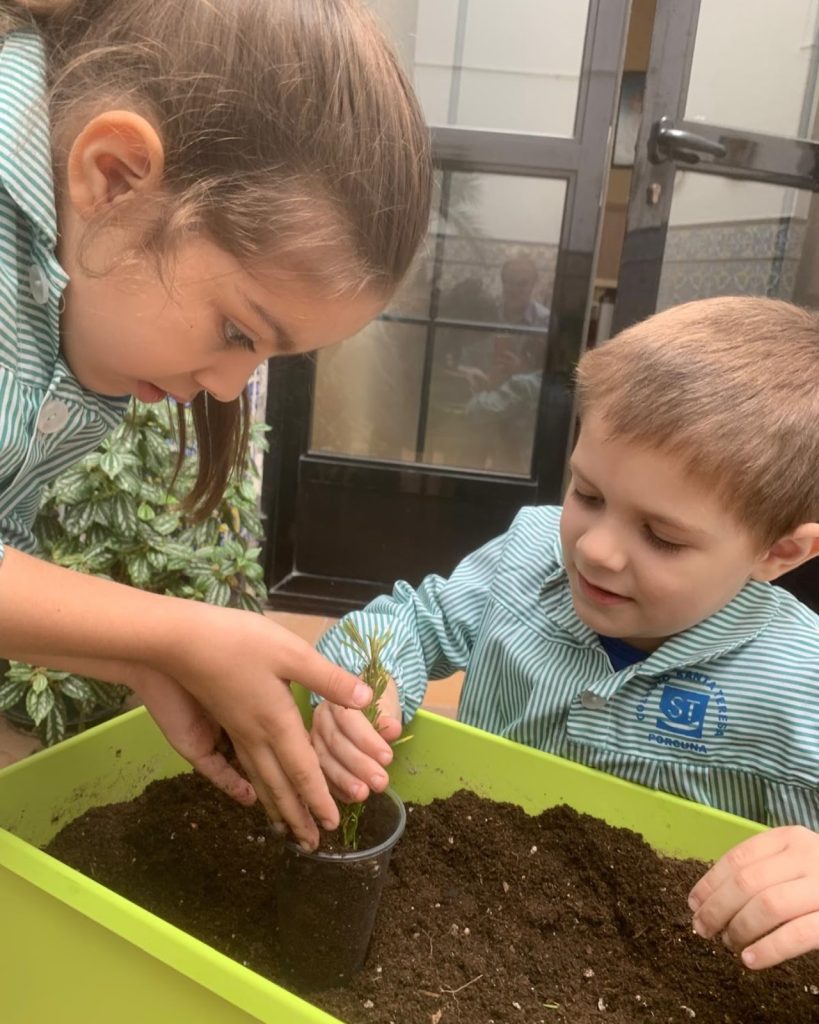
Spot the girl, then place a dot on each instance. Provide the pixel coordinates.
(187, 189)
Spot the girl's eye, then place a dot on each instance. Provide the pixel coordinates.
(659, 543)
(234, 338)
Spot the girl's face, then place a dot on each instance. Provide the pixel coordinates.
(206, 328)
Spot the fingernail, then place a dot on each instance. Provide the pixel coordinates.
(328, 825)
(377, 781)
(306, 847)
(279, 827)
(700, 929)
(748, 957)
(385, 756)
(727, 942)
(362, 694)
(694, 903)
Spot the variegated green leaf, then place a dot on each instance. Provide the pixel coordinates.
(39, 704)
(111, 463)
(77, 688)
(124, 515)
(217, 592)
(53, 728)
(12, 692)
(139, 571)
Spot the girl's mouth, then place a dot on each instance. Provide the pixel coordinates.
(149, 393)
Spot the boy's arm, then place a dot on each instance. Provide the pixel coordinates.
(432, 628)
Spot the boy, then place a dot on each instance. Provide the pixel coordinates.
(636, 630)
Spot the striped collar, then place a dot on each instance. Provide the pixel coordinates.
(25, 137)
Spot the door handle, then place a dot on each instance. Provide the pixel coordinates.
(669, 143)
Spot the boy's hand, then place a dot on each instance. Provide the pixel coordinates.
(763, 895)
(351, 752)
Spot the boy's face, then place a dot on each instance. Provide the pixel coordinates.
(649, 551)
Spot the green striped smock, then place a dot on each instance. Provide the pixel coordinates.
(725, 713)
(47, 420)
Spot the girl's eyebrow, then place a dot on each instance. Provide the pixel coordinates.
(284, 339)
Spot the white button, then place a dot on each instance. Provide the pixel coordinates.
(38, 283)
(593, 701)
(53, 417)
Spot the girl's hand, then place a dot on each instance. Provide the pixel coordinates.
(763, 896)
(238, 665)
(189, 729)
(351, 752)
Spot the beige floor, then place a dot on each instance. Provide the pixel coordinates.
(442, 695)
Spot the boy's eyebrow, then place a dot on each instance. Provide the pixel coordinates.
(675, 524)
(284, 338)
(655, 517)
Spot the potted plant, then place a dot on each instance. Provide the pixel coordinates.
(117, 513)
(327, 899)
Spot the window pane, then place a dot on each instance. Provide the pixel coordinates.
(460, 388)
(755, 66)
(368, 393)
(513, 66)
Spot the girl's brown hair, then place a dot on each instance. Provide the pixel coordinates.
(291, 133)
(729, 384)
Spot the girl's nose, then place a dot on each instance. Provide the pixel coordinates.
(228, 380)
(599, 545)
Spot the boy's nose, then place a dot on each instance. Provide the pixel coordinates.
(599, 546)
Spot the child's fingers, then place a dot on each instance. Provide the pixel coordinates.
(343, 784)
(740, 888)
(389, 728)
(277, 791)
(224, 776)
(799, 936)
(350, 744)
(787, 904)
(296, 659)
(740, 858)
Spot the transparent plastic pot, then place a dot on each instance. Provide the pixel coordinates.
(327, 901)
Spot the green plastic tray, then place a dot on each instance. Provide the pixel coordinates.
(73, 951)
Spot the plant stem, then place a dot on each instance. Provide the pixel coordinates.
(376, 677)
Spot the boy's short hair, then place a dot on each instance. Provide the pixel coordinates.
(731, 384)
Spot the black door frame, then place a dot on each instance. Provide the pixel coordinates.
(374, 522)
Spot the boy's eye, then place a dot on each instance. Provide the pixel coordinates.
(234, 338)
(586, 499)
(659, 543)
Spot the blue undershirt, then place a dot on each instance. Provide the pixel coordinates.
(621, 654)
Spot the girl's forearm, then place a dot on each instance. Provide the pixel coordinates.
(48, 612)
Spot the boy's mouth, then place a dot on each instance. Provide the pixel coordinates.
(598, 594)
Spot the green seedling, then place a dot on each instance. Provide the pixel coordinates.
(376, 677)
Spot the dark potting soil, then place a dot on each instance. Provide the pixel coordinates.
(488, 915)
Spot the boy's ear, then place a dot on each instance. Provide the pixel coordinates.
(788, 552)
(116, 156)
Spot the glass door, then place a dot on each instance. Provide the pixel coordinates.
(726, 173)
(727, 163)
(396, 453)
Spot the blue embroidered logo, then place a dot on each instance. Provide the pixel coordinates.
(683, 711)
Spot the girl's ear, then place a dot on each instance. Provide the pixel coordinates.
(788, 552)
(118, 155)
